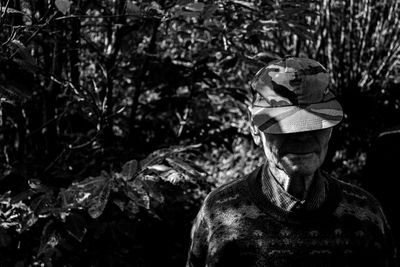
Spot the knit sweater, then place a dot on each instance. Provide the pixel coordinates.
(239, 226)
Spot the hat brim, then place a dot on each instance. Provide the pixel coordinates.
(292, 119)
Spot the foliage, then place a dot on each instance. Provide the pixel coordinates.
(107, 209)
(106, 82)
(359, 42)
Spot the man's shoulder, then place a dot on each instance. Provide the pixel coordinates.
(356, 194)
(227, 192)
(233, 193)
(359, 203)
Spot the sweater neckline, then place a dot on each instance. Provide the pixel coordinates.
(284, 200)
(323, 213)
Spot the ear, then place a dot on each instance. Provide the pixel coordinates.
(255, 133)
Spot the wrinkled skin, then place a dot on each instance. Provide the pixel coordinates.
(294, 158)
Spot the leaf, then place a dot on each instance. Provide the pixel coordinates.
(154, 9)
(137, 193)
(76, 226)
(99, 202)
(49, 238)
(266, 56)
(63, 6)
(174, 177)
(120, 204)
(159, 167)
(129, 169)
(154, 157)
(43, 204)
(195, 7)
(244, 4)
(92, 183)
(91, 193)
(27, 222)
(132, 8)
(26, 61)
(153, 191)
(179, 164)
(159, 155)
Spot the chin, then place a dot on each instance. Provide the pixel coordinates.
(300, 170)
(299, 166)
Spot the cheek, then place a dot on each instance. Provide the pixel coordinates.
(324, 142)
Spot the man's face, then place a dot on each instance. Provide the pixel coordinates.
(297, 154)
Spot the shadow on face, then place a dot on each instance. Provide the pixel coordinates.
(297, 154)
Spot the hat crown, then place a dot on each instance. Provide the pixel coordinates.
(292, 95)
(291, 82)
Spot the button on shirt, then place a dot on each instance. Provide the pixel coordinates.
(274, 191)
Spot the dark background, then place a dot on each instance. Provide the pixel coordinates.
(118, 117)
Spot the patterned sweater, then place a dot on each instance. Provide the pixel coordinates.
(238, 226)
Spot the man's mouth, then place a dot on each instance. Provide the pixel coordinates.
(300, 153)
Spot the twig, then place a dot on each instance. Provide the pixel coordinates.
(71, 147)
(97, 16)
(42, 26)
(47, 123)
(54, 161)
(35, 33)
(2, 18)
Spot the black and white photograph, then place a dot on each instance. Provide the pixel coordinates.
(199, 133)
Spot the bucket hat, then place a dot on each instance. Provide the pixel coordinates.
(292, 95)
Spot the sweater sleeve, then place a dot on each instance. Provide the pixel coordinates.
(391, 247)
(198, 248)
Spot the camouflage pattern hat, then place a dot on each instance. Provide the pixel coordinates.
(292, 95)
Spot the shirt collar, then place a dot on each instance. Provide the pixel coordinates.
(282, 199)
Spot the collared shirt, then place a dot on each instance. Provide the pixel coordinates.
(282, 199)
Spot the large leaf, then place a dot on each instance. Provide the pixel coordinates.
(246, 4)
(43, 204)
(23, 56)
(99, 201)
(63, 6)
(91, 193)
(75, 225)
(159, 155)
(129, 169)
(195, 7)
(138, 193)
(183, 166)
(49, 239)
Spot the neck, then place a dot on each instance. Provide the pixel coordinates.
(296, 185)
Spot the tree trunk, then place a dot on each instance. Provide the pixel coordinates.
(111, 68)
